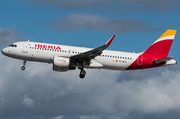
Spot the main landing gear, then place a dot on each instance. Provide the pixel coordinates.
(23, 67)
(82, 73)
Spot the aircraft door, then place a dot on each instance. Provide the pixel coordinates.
(25, 47)
(140, 60)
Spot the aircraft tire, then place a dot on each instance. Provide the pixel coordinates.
(23, 68)
(82, 74)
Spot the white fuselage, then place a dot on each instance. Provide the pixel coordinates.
(42, 52)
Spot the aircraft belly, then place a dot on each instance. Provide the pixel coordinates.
(40, 57)
(34, 56)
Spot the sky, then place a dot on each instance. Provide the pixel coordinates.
(41, 93)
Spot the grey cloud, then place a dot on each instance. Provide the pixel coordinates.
(71, 117)
(8, 35)
(39, 92)
(58, 117)
(71, 4)
(27, 101)
(99, 23)
(124, 6)
(151, 6)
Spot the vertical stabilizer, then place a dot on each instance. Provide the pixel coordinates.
(162, 45)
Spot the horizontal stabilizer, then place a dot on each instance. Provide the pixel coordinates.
(163, 60)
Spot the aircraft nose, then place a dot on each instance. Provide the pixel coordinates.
(2, 51)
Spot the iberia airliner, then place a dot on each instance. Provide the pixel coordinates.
(64, 58)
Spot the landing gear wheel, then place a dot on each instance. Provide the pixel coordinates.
(23, 68)
(82, 74)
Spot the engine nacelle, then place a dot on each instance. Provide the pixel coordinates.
(60, 64)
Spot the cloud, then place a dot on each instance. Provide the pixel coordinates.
(58, 117)
(123, 6)
(99, 23)
(8, 35)
(40, 92)
(27, 102)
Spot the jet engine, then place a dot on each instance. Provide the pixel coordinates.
(61, 64)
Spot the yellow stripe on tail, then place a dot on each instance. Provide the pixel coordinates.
(169, 32)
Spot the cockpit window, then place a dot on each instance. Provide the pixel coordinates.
(13, 45)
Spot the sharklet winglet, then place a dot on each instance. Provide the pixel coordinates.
(110, 40)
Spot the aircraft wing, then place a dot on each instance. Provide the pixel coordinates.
(164, 60)
(91, 54)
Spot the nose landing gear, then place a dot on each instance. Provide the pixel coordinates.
(82, 73)
(23, 67)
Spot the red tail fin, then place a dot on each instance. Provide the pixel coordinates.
(162, 45)
(156, 54)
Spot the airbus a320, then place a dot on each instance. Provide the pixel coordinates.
(64, 58)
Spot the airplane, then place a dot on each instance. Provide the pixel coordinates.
(64, 58)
